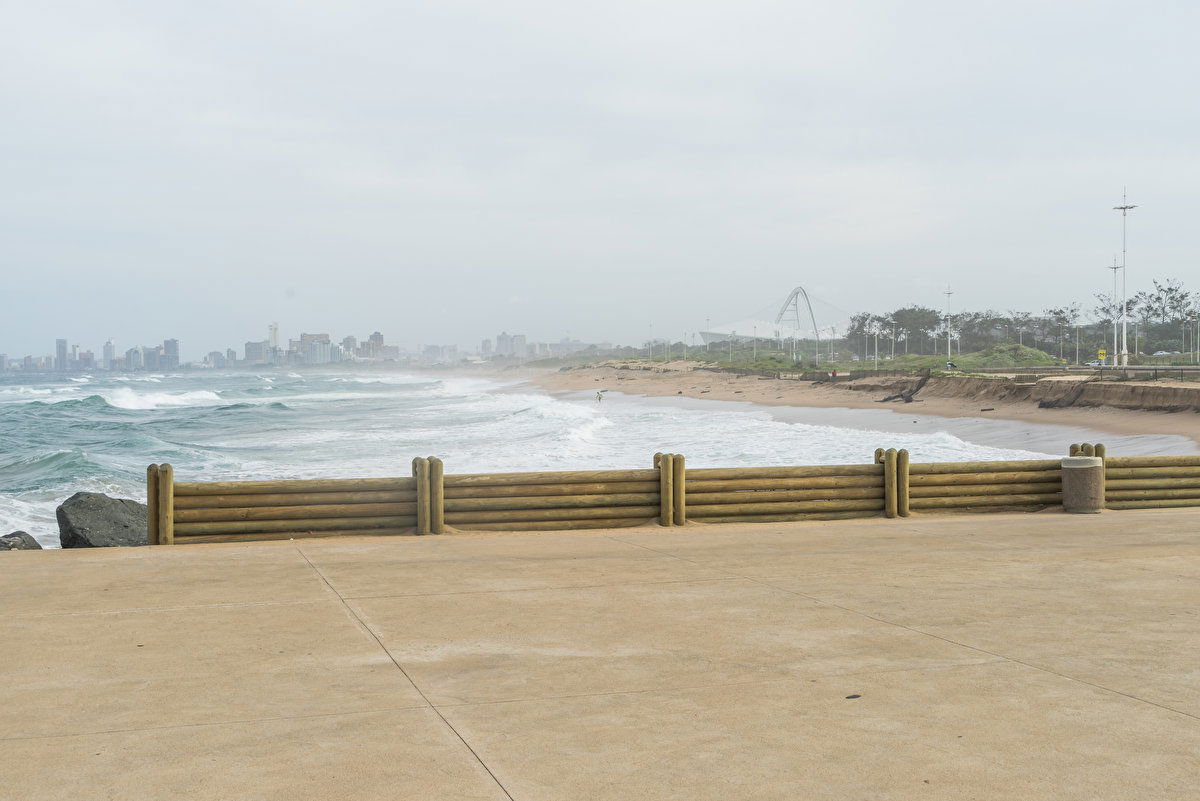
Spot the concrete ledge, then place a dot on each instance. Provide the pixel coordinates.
(1012, 656)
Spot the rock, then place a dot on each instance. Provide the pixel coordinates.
(94, 520)
(19, 541)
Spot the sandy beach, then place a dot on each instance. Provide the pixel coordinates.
(1176, 432)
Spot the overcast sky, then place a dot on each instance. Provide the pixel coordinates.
(441, 171)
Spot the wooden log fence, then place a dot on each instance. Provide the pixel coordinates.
(431, 502)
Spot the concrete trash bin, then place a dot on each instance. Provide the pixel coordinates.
(1083, 485)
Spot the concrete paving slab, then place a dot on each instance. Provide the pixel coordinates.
(407, 754)
(621, 638)
(89, 672)
(483, 570)
(993, 656)
(989, 731)
(105, 579)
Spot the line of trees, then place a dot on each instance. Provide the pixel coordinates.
(1164, 319)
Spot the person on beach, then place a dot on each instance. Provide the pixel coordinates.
(951, 365)
(599, 396)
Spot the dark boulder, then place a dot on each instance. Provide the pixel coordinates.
(94, 520)
(19, 541)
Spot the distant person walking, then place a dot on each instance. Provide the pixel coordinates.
(599, 396)
(951, 365)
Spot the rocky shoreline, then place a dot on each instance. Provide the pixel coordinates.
(90, 520)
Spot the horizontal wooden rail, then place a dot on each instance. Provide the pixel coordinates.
(542, 490)
(185, 488)
(1038, 499)
(1149, 494)
(1152, 483)
(310, 512)
(255, 526)
(1152, 461)
(552, 502)
(569, 477)
(699, 511)
(1013, 477)
(943, 468)
(711, 473)
(293, 499)
(527, 515)
(1152, 472)
(757, 496)
(815, 482)
(961, 490)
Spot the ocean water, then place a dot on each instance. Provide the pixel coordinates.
(98, 433)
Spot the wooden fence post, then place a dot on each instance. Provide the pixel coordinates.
(666, 488)
(679, 498)
(902, 483)
(152, 505)
(437, 496)
(166, 505)
(890, 503)
(1073, 450)
(421, 474)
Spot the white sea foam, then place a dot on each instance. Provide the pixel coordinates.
(125, 398)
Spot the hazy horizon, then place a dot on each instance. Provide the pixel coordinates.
(441, 172)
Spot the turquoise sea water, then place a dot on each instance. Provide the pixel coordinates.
(98, 433)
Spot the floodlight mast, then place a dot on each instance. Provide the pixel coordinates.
(1124, 208)
(791, 307)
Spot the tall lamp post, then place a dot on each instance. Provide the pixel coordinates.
(948, 293)
(1119, 315)
(1124, 208)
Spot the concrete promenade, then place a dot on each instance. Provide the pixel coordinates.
(1014, 656)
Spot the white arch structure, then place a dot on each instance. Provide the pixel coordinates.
(790, 312)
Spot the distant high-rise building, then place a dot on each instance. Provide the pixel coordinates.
(273, 335)
(256, 352)
(373, 347)
(318, 351)
(215, 359)
(518, 346)
(109, 355)
(60, 355)
(350, 346)
(504, 345)
(85, 360)
(3, 362)
(133, 359)
(27, 364)
(230, 357)
(152, 357)
(170, 355)
(486, 347)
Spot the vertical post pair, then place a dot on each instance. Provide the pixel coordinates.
(895, 481)
(1087, 449)
(672, 488)
(431, 494)
(160, 504)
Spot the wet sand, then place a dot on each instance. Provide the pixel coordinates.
(1006, 424)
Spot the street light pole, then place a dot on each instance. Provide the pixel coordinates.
(1124, 209)
(948, 293)
(1114, 268)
